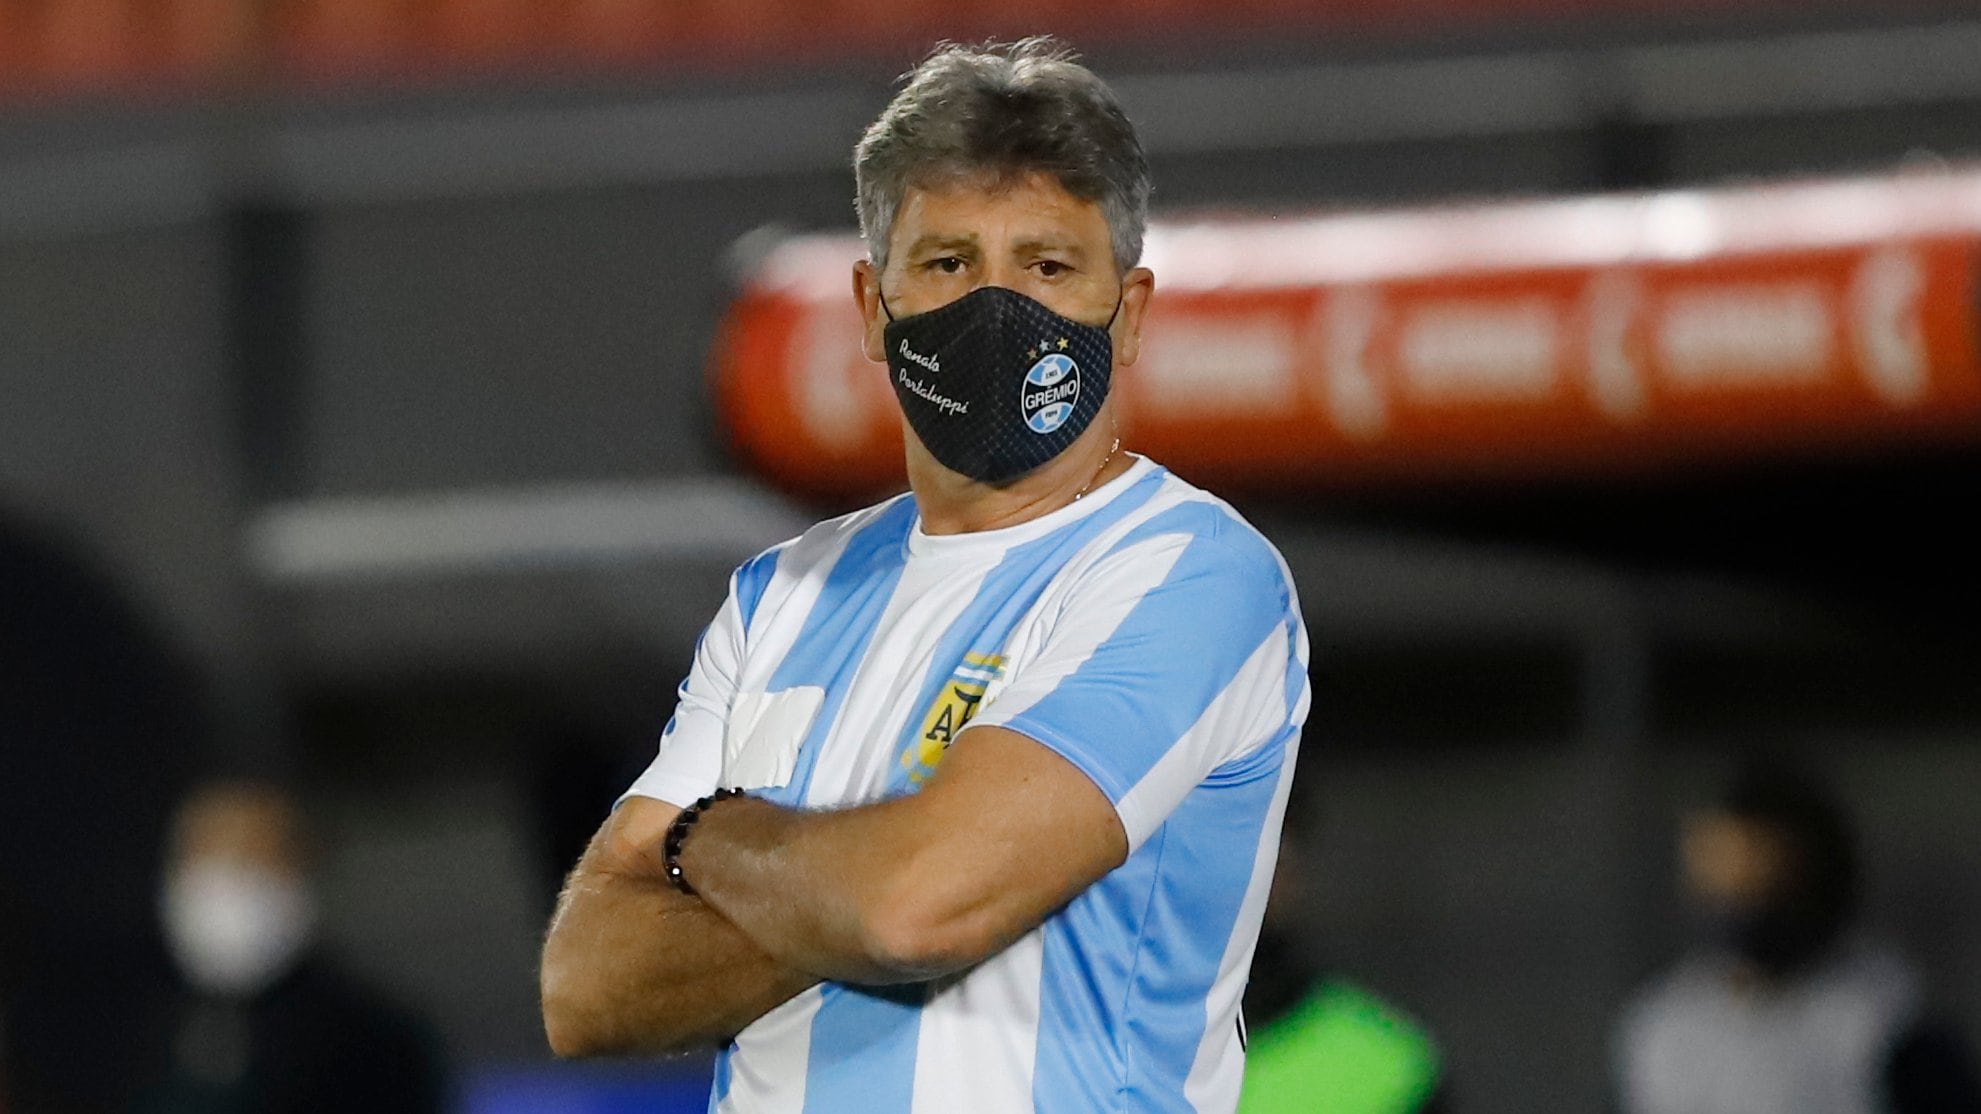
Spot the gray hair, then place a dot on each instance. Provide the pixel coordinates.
(1002, 110)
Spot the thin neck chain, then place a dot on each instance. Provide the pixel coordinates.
(1105, 461)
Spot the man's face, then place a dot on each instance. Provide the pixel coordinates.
(236, 907)
(1028, 235)
(240, 827)
(1733, 863)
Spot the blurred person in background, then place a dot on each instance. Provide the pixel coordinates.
(1782, 1007)
(260, 1020)
(1319, 1043)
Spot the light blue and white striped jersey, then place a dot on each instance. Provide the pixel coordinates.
(1148, 635)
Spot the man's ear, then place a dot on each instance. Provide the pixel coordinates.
(1137, 287)
(873, 319)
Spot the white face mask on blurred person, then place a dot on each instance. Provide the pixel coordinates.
(234, 929)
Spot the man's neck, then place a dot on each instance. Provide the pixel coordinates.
(951, 503)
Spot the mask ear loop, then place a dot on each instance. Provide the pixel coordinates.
(1113, 422)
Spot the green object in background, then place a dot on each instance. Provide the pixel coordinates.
(1340, 1051)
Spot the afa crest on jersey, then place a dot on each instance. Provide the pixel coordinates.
(955, 705)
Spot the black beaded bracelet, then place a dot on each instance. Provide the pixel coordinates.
(677, 834)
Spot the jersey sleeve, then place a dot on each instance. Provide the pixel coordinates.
(688, 766)
(1171, 657)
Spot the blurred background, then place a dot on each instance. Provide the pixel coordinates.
(369, 423)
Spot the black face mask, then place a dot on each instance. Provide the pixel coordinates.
(996, 384)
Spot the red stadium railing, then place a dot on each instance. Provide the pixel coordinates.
(1506, 339)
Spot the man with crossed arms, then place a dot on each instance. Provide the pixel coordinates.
(1015, 745)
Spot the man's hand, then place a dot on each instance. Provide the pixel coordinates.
(633, 965)
(917, 886)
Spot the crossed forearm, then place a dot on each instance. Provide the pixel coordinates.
(917, 886)
(821, 891)
(631, 965)
(902, 890)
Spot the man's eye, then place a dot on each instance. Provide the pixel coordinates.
(1051, 268)
(948, 264)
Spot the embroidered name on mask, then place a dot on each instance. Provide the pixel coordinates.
(943, 402)
(929, 362)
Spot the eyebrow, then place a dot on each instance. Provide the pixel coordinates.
(934, 242)
(1039, 244)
